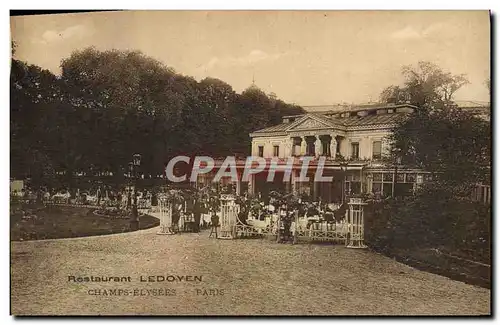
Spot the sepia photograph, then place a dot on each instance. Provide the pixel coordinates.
(250, 163)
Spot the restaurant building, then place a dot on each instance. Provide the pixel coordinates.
(354, 143)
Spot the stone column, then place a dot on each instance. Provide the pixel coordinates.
(333, 146)
(317, 147)
(303, 146)
(292, 147)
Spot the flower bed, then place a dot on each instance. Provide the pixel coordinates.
(113, 213)
(67, 221)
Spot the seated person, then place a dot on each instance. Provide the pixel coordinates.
(329, 216)
(243, 214)
(302, 211)
(312, 211)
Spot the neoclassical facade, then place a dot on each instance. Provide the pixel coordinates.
(353, 141)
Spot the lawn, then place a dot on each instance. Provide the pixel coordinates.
(438, 262)
(66, 222)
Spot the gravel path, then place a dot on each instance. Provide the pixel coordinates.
(258, 277)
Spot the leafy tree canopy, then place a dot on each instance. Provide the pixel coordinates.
(108, 105)
(438, 136)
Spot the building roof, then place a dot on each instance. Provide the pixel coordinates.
(472, 104)
(328, 120)
(344, 122)
(275, 128)
(327, 108)
(337, 108)
(371, 119)
(330, 115)
(364, 107)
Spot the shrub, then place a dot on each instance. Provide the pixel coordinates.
(431, 219)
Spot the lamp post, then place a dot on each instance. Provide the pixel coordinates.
(343, 167)
(129, 192)
(134, 165)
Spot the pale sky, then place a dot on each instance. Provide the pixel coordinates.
(305, 57)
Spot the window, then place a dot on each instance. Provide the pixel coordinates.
(377, 188)
(276, 151)
(382, 183)
(388, 177)
(377, 177)
(353, 184)
(405, 184)
(404, 189)
(261, 151)
(377, 183)
(355, 187)
(296, 147)
(387, 189)
(355, 150)
(377, 150)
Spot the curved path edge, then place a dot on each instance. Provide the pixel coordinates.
(136, 232)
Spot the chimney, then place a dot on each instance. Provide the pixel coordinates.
(391, 101)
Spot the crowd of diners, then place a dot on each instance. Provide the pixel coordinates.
(289, 209)
(119, 197)
(202, 208)
(195, 209)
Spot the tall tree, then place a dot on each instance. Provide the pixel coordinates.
(426, 86)
(36, 109)
(439, 136)
(109, 105)
(487, 83)
(121, 96)
(394, 94)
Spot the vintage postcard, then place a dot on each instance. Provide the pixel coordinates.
(250, 163)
